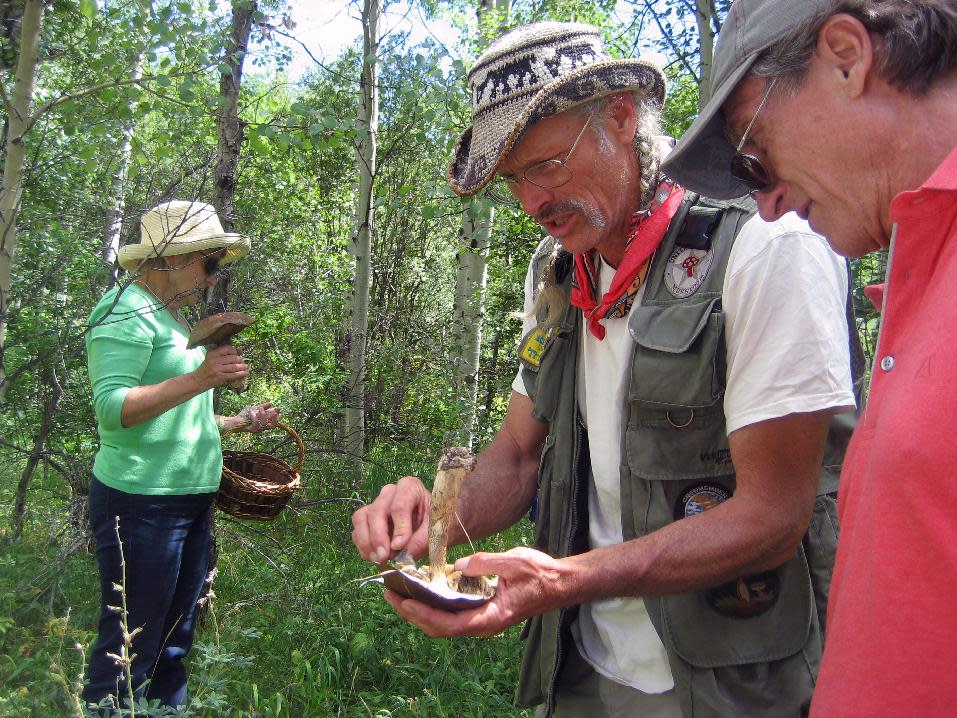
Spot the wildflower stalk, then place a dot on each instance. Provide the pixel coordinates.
(125, 658)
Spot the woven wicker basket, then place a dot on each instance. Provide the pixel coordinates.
(256, 485)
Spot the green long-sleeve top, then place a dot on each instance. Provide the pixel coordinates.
(139, 343)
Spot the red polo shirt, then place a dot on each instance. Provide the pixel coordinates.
(891, 645)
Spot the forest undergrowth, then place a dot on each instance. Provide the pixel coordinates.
(291, 633)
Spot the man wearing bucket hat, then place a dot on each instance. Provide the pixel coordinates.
(680, 367)
(845, 111)
(160, 459)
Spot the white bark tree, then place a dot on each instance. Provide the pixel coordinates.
(360, 245)
(704, 11)
(475, 234)
(18, 108)
(114, 217)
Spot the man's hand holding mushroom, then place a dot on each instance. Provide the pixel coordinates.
(529, 583)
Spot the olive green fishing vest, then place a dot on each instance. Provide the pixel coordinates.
(751, 647)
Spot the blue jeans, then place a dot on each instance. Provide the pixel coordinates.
(166, 544)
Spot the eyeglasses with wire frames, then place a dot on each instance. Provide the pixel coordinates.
(748, 169)
(548, 174)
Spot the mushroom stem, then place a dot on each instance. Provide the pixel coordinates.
(454, 466)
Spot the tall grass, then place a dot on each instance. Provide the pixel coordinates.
(290, 634)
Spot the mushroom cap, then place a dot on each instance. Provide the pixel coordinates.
(414, 583)
(217, 328)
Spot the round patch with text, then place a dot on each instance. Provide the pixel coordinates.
(686, 270)
(744, 597)
(700, 498)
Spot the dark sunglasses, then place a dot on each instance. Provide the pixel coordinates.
(747, 169)
(211, 266)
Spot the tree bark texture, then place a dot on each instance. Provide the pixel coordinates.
(704, 9)
(360, 246)
(469, 314)
(475, 234)
(114, 218)
(229, 131)
(18, 122)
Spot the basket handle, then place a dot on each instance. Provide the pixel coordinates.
(295, 437)
(292, 432)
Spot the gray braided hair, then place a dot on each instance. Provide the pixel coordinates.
(548, 297)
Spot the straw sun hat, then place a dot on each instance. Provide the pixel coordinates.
(533, 72)
(180, 227)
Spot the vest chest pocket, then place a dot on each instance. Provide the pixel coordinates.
(675, 419)
(679, 354)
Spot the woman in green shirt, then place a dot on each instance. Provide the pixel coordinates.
(160, 458)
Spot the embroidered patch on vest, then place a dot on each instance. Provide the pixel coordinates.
(533, 347)
(744, 597)
(699, 499)
(686, 270)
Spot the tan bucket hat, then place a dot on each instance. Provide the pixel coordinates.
(179, 227)
(532, 72)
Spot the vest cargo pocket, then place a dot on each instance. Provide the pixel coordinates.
(676, 426)
(679, 355)
(757, 619)
(701, 635)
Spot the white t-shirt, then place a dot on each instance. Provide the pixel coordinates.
(787, 351)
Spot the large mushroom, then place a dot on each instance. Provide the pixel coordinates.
(437, 584)
(217, 330)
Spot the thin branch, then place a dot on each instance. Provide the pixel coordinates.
(92, 89)
(671, 41)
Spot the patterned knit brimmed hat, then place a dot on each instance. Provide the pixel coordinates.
(533, 72)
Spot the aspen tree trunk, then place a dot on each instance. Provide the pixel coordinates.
(114, 220)
(18, 119)
(471, 277)
(360, 246)
(704, 9)
(229, 130)
(469, 314)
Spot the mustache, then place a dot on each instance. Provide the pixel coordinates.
(553, 210)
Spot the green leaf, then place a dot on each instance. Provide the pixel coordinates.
(258, 145)
(88, 8)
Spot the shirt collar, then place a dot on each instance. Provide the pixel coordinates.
(945, 176)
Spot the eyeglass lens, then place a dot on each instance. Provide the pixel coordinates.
(749, 171)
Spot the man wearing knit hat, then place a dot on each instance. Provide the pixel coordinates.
(845, 111)
(680, 369)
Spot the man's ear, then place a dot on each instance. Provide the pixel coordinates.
(846, 48)
(622, 116)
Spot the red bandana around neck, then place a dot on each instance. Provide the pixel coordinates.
(645, 233)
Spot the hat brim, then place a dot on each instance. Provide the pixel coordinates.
(236, 245)
(701, 161)
(472, 168)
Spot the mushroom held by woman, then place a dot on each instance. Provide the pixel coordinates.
(160, 459)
